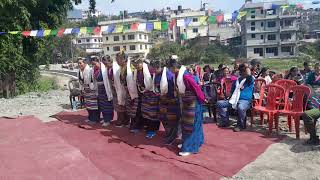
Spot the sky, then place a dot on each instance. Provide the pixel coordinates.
(228, 6)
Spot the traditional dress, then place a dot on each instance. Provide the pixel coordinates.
(105, 97)
(149, 100)
(169, 105)
(89, 93)
(192, 117)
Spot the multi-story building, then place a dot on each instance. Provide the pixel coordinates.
(268, 30)
(86, 13)
(135, 42)
(195, 28)
(90, 43)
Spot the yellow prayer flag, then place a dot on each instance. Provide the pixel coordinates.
(241, 14)
(203, 19)
(83, 30)
(13, 32)
(46, 32)
(157, 25)
(119, 28)
(285, 6)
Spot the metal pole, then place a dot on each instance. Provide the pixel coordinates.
(71, 53)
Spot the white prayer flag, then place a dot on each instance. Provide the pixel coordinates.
(34, 33)
(67, 31)
(180, 23)
(142, 27)
(104, 28)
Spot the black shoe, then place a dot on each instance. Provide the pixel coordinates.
(313, 141)
(237, 129)
(223, 125)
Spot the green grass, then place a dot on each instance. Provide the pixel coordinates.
(45, 84)
(281, 65)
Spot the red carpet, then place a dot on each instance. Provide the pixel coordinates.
(72, 150)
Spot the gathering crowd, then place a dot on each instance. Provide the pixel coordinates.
(146, 93)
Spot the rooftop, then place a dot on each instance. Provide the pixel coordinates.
(130, 20)
(250, 5)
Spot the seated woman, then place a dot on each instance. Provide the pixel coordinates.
(294, 75)
(226, 75)
(313, 78)
(264, 74)
(241, 98)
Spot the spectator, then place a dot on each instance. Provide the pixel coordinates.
(264, 74)
(240, 100)
(313, 77)
(226, 75)
(208, 76)
(306, 69)
(218, 73)
(294, 75)
(235, 71)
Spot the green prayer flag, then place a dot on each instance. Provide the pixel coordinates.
(164, 26)
(89, 30)
(212, 20)
(53, 32)
(126, 27)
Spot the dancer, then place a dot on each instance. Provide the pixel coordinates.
(85, 76)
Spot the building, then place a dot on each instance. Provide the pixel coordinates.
(135, 42)
(74, 15)
(86, 13)
(90, 43)
(195, 28)
(269, 31)
(310, 21)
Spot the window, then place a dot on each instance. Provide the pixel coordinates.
(271, 37)
(261, 11)
(261, 24)
(100, 40)
(253, 28)
(79, 41)
(286, 49)
(116, 48)
(87, 40)
(107, 39)
(123, 37)
(124, 47)
(195, 30)
(95, 40)
(253, 16)
(131, 37)
(272, 50)
(285, 36)
(194, 19)
(253, 11)
(258, 51)
(145, 37)
(116, 38)
(253, 36)
(288, 23)
(141, 46)
(132, 47)
(253, 23)
(271, 24)
(146, 46)
(261, 37)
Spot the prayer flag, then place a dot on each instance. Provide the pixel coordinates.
(104, 28)
(164, 26)
(46, 32)
(40, 33)
(267, 6)
(126, 27)
(149, 26)
(285, 6)
(67, 31)
(180, 23)
(142, 26)
(157, 25)
(89, 30)
(119, 28)
(187, 21)
(75, 31)
(274, 6)
(97, 30)
(173, 23)
(241, 14)
(26, 33)
(60, 32)
(83, 30)
(203, 20)
(134, 26)
(228, 17)
(234, 16)
(33, 33)
(212, 19)
(2, 33)
(220, 18)
(111, 28)
(14, 32)
(53, 32)
(299, 6)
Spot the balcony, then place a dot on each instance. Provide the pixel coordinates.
(289, 28)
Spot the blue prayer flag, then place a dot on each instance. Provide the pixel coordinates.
(111, 28)
(75, 31)
(187, 21)
(150, 26)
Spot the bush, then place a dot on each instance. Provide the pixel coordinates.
(42, 84)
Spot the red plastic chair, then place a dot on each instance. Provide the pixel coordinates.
(258, 85)
(268, 102)
(295, 104)
(286, 83)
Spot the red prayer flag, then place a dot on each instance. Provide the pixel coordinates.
(134, 26)
(97, 30)
(60, 32)
(220, 18)
(172, 24)
(26, 33)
